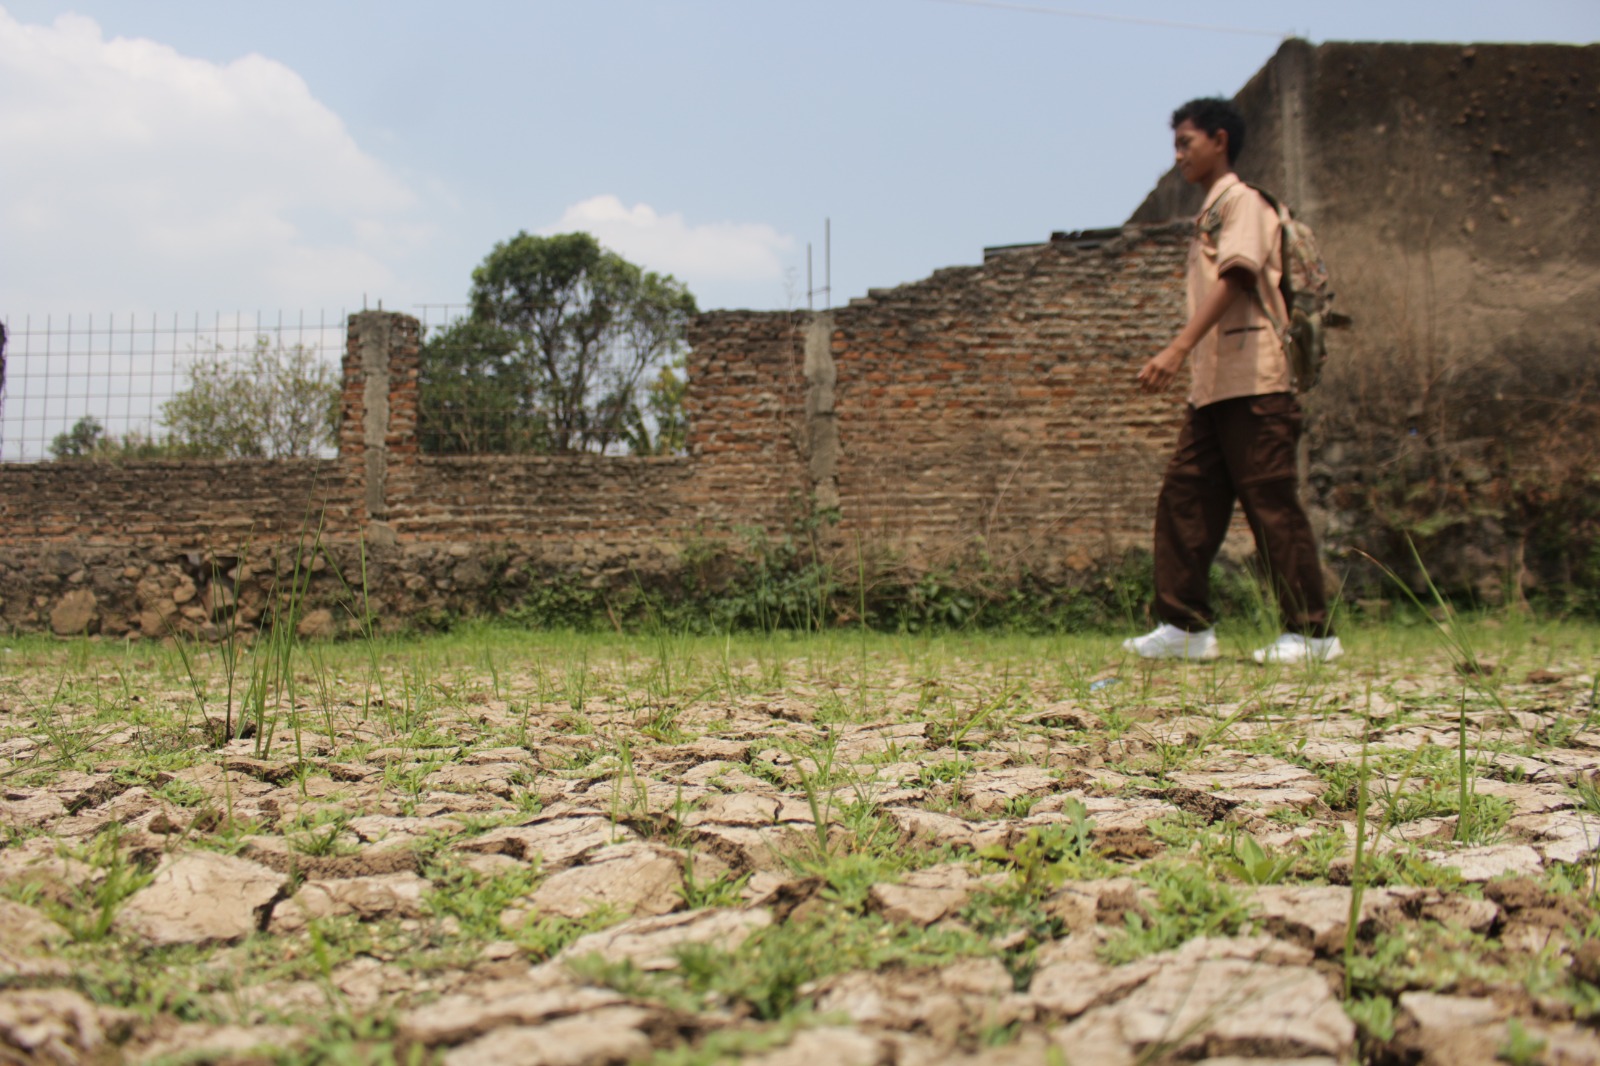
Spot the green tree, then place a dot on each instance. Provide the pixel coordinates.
(660, 427)
(270, 402)
(81, 441)
(88, 439)
(561, 339)
(477, 397)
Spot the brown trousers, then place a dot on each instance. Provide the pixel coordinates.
(1243, 449)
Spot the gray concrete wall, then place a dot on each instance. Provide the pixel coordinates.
(1453, 190)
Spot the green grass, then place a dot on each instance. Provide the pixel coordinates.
(606, 723)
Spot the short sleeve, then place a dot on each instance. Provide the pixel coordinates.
(1248, 228)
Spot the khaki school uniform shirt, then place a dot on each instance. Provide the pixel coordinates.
(1242, 355)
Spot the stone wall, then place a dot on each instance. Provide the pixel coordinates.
(985, 416)
(155, 547)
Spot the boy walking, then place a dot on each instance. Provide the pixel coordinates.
(1243, 423)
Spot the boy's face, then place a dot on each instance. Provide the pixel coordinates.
(1198, 152)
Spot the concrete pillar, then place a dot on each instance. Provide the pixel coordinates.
(378, 424)
(822, 431)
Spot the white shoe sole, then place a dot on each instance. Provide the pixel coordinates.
(1265, 657)
(1208, 655)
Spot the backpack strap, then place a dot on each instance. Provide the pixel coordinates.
(1279, 326)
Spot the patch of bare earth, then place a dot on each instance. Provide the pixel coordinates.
(603, 852)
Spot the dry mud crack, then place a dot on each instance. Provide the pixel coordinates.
(521, 848)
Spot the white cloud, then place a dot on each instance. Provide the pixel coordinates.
(710, 253)
(137, 178)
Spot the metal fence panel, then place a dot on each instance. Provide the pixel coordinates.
(119, 370)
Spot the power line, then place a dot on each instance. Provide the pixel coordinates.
(1134, 20)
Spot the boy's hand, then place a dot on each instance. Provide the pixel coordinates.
(1159, 371)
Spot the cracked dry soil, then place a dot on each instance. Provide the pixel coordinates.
(503, 847)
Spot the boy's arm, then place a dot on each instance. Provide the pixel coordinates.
(1159, 371)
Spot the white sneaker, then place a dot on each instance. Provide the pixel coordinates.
(1170, 642)
(1298, 648)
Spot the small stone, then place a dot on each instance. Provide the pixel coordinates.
(317, 624)
(75, 614)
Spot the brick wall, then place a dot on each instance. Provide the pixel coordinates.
(565, 506)
(985, 412)
(993, 408)
(174, 502)
(746, 409)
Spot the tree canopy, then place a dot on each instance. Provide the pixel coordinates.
(271, 402)
(557, 354)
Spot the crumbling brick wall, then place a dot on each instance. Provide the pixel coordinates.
(171, 501)
(992, 412)
(985, 416)
(746, 411)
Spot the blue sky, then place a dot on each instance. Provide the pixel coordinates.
(287, 156)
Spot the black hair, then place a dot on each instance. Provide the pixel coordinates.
(1212, 113)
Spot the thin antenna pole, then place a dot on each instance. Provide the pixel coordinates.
(810, 291)
(827, 261)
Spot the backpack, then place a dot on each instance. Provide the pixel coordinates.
(1308, 295)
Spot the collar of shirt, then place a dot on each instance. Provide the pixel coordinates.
(1223, 184)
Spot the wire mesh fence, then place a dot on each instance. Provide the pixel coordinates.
(233, 386)
(610, 383)
(88, 386)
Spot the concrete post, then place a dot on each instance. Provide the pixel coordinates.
(377, 431)
(822, 431)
